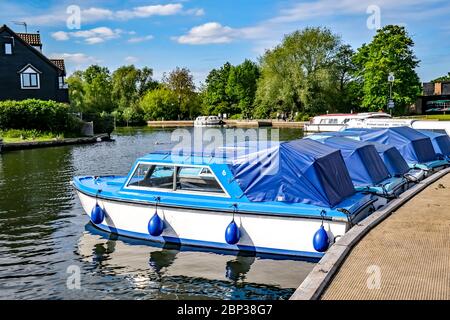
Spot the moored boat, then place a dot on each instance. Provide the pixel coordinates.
(338, 121)
(415, 147)
(203, 121)
(293, 198)
(367, 169)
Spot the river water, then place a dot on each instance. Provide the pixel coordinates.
(49, 250)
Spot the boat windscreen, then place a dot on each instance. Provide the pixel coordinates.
(362, 159)
(440, 141)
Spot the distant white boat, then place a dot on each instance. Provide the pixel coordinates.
(207, 121)
(338, 121)
(432, 125)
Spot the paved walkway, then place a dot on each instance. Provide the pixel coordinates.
(407, 256)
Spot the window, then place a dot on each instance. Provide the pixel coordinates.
(8, 48)
(187, 179)
(29, 78)
(197, 179)
(153, 176)
(61, 83)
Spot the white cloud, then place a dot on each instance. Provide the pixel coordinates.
(195, 12)
(74, 61)
(140, 39)
(60, 36)
(91, 36)
(58, 15)
(208, 33)
(148, 11)
(131, 59)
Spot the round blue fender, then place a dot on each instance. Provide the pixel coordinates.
(155, 225)
(232, 233)
(97, 214)
(320, 240)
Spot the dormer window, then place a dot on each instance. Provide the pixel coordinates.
(8, 48)
(29, 77)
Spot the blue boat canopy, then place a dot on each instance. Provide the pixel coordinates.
(395, 163)
(303, 171)
(365, 166)
(440, 141)
(414, 146)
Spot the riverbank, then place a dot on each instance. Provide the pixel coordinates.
(400, 252)
(10, 146)
(231, 123)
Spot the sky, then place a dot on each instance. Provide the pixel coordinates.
(204, 34)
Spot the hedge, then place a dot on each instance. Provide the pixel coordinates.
(46, 116)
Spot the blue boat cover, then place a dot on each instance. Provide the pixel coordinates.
(395, 163)
(441, 142)
(365, 166)
(302, 171)
(414, 146)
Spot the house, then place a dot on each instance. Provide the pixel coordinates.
(25, 72)
(435, 98)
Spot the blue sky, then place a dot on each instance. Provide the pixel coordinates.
(204, 34)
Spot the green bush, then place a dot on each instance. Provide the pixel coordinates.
(236, 117)
(302, 117)
(45, 116)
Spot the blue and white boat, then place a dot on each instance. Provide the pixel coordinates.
(391, 156)
(441, 143)
(415, 147)
(367, 169)
(293, 198)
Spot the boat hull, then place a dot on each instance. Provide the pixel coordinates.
(285, 235)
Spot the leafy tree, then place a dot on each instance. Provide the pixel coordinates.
(160, 103)
(124, 87)
(348, 93)
(97, 89)
(181, 82)
(298, 74)
(443, 78)
(241, 86)
(215, 97)
(145, 81)
(76, 91)
(391, 50)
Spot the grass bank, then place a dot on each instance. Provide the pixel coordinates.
(16, 136)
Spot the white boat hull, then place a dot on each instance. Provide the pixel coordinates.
(259, 233)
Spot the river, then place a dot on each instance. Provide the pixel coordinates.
(49, 250)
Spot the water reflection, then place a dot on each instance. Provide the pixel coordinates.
(170, 271)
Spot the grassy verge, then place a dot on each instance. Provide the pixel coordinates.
(15, 136)
(440, 117)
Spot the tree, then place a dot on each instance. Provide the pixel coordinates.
(124, 87)
(181, 82)
(241, 86)
(299, 73)
(443, 78)
(215, 97)
(160, 103)
(97, 89)
(76, 92)
(391, 50)
(348, 88)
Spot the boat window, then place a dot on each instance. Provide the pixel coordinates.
(197, 179)
(153, 176)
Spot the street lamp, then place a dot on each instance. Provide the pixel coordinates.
(391, 103)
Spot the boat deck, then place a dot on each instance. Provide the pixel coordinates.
(409, 251)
